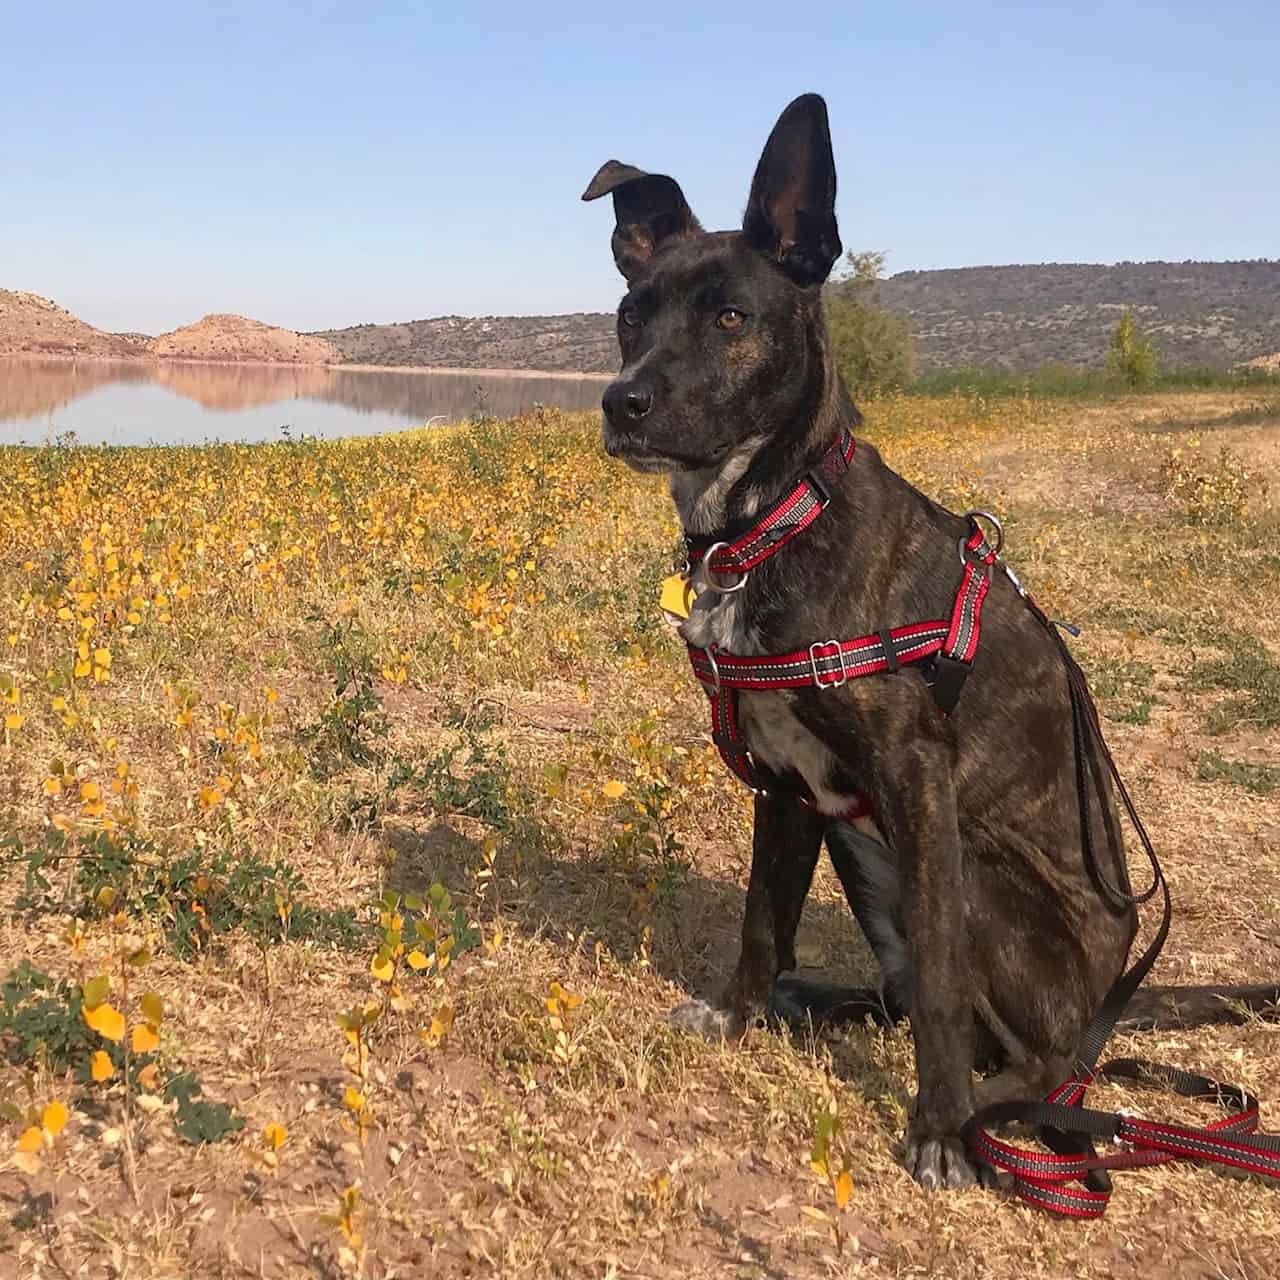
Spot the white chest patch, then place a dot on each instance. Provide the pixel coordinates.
(777, 739)
(773, 734)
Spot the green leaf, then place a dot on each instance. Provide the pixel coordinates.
(199, 1122)
(96, 990)
(413, 902)
(464, 935)
(182, 1088)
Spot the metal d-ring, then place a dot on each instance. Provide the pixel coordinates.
(715, 586)
(994, 521)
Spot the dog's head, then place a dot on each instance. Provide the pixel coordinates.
(721, 332)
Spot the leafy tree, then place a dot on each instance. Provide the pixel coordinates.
(871, 345)
(1131, 357)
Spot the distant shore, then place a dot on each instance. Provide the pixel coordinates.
(567, 374)
(69, 358)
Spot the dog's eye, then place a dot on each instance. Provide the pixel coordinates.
(629, 316)
(731, 318)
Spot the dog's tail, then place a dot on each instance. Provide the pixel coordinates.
(1153, 1007)
(810, 1001)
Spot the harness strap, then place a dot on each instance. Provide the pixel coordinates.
(827, 664)
(951, 643)
(789, 517)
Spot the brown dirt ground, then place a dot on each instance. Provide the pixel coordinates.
(650, 1154)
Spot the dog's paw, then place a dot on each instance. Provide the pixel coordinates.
(940, 1164)
(702, 1019)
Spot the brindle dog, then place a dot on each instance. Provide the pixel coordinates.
(972, 884)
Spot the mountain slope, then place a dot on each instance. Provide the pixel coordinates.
(32, 325)
(579, 343)
(1198, 313)
(231, 337)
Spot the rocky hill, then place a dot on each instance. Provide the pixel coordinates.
(580, 343)
(1019, 317)
(32, 325)
(230, 337)
(1198, 313)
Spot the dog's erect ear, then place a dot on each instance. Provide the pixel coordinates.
(791, 211)
(650, 209)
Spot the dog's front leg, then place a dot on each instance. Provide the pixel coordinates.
(917, 807)
(784, 851)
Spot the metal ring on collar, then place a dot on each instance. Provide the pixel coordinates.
(993, 521)
(711, 584)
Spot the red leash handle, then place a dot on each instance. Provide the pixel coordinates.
(1046, 1179)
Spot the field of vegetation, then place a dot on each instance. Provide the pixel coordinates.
(360, 825)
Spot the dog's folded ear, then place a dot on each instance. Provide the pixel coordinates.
(650, 210)
(791, 210)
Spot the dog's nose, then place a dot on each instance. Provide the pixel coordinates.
(637, 403)
(626, 403)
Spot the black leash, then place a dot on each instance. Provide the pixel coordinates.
(1089, 743)
(1064, 1125)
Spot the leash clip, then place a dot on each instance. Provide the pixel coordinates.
(826, 646)
(715, 666)
(1017, 581)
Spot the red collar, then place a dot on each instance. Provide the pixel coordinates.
(789, 517)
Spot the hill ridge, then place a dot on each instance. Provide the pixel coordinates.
(1016, 316)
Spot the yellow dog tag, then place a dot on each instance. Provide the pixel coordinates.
(677, 596)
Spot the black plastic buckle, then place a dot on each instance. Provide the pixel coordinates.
(818, 483)
(890, 653)
(946, 680)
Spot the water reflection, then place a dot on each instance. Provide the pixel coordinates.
(31, 388)
(175, 401)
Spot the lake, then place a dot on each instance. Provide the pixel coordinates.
(176, 402)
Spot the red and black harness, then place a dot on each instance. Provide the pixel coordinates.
(945, 646)
(1071, 1179)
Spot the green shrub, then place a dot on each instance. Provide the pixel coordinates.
(871, 345)
(1131, 358)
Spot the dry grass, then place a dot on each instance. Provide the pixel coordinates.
(488, 595)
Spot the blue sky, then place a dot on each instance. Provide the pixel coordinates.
(327, 164)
